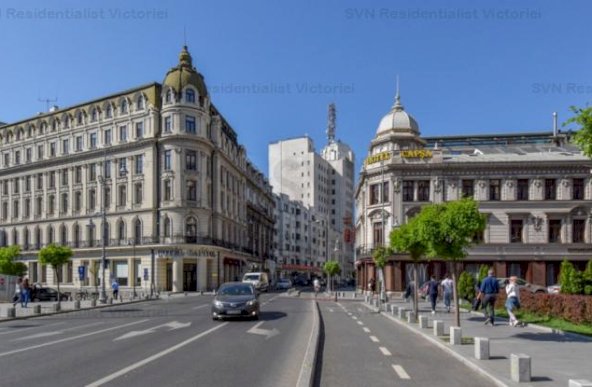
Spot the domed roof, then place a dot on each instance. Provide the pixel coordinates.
(185, 74)
(398, 120)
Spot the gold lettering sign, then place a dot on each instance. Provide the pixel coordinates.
(416, 154)
(383, 156)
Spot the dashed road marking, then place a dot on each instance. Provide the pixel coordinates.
(330, 310)
(200, 306)
(360, 323)
(401, 372)
(354, 317)
(384, 351)
(374, 338)
(366, 330)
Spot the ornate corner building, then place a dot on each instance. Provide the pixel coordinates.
(184, 209)
(535, 189)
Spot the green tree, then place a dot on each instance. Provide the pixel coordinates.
(332, 269)
(448, 230)
(583, 137)
(466, 286)
(483, 270)
(588, 279)
(8, 264)
(407, 239)
(56, 256)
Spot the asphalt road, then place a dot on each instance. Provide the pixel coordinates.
(362, 348)
(171, 342)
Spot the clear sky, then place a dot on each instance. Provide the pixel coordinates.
(272, 67)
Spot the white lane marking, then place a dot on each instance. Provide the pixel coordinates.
(349, 314)
(17, 330)
(71, 338)
(156, 356)
(331, 310)
(200, 306)
(306, 366)
(54, 333)
(270, 300)
(265, 332)
(366, 330)
(354, 317)
(173, 325)
(400, 371)
(360, 323)
(384, 351)
(374, 338)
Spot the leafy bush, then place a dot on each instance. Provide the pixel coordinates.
(466, 286)
(483, 269)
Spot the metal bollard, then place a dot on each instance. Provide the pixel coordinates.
(438, 328)
(455, 336)
(520, 367)
(481, 348)
(423, 322)
(579, 383)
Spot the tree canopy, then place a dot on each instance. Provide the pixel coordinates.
(331, 268)
(8, 263)
(56, 256)
(583, 138)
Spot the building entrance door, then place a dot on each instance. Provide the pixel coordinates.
(189, 277)
(169, 277)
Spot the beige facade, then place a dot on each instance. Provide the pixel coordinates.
(163, 164)
(534, 187)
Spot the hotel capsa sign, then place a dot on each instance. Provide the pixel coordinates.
(405, 154)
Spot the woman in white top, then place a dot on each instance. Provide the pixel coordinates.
(513, 301)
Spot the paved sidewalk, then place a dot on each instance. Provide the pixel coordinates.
(555, 357)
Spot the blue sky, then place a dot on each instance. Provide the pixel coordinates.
(273, 67)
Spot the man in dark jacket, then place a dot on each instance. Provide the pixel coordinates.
(433, 292)
(489, 289)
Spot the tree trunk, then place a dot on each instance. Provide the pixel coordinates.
(455, 296)
(415, 291)
(55, 269)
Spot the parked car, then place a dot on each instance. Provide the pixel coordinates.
(523, 284)
(236, 299)
(259, 280)
(554, 289)
(283, 284)
(47, 294)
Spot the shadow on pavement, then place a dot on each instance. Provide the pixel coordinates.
(269, 316)
(121, 310)
(557, 337)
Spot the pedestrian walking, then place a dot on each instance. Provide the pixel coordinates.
(115, 287)
(433, 292)
(409, 291)
(371, 285)
(447, 289)
(513, 300)
(25, 289)
(16, 298)
(489, 290)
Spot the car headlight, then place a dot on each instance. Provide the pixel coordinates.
(252, 302)
(218, 304)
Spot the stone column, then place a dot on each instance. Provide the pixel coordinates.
(177, 274)
(131, 272)
(202, 274)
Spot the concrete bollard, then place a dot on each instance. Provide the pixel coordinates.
(37, 309)
(423, 322)
(93, 303)
(394, 310)
(411, 317)
(353, 295)
(520, 367)
(9, 312)
(438, 328)
(579, 383)
(55, 308)
(76, 304)
(110, 301)
(481, 348)
(401, 313)
(455, 336)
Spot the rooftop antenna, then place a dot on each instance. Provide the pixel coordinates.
(184, 36)
(331, 123)
(47, 101)
(555, 124)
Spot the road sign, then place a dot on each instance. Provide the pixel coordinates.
(145, 274)
(81, 272)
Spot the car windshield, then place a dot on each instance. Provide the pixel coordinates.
(251, 277)
(236, 290)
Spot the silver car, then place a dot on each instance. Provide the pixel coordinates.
(236, 299)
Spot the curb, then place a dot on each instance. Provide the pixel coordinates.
(72, 310)
(445, 348)
(309, 365)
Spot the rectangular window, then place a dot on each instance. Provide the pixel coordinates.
(374, 193)
(64, 177)
(15, 207)
(139, 129)
(423, 190)
(92, 199)
(191, 160)
(4, 210)
(52, 149)
(51, 205)
(52, 179)
(107, 137)
(550, 189)
(167, 190)
(385, 192)
(522, 189)
(190, 124)
(122, 167)
(122, 196)
(39, 152)
(139, 164)
(64, 203)
(27, 209)
(377, 234)
(578, 189)
(554, 230)
(28, 155)
(579, 230)
(516, 231)
(123, 133)
(408, 190)
(78, 143)
(78, 175)
(92, 140)
(65, 146)
(77, 200)
(121, 273)
(107, 169)
(494, 189)
(40, 181)
(468, 188)
(6, 159)
(28, 184)
(191, 190)
(107, 197)
(17, 157)
(39, 206)
(92, 172)
(168, 124)
(138, 193)
(16, 187)
(167, 160)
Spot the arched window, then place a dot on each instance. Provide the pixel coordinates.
(107, 234)
(76, 235)
(15, 240)
(121, 230)
(189, 96)
(167, 227)
(94, 115)
(50, 236)
(109, 111)
(63, 236)
(191, 230)
(138, 232)
(37, 238)
(26, 238)
(140, 103)
(79, 118)
(168, 98)
(123, 106)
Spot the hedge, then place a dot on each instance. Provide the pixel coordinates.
(574, 308)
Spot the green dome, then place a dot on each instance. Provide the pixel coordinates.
(185, 74)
